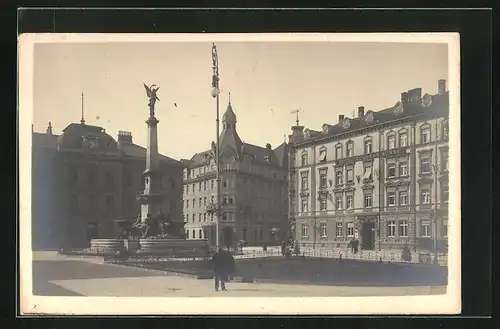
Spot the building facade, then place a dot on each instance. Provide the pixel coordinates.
(85, 183)
(381, 177)
(253, 191)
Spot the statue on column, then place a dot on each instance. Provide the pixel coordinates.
(151, 93)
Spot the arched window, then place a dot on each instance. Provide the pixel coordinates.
(368, 145)
(425, 133)
(403, 138)
(391, 140)
(349, 149)
(304, 159)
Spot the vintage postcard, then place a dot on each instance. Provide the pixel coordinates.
(239, 174)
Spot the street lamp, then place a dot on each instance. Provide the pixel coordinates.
(215, 94)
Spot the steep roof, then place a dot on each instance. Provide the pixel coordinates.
(439, 106)
(136, 151)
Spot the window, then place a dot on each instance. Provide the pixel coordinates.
(403, 198)
(391, 229)
(425, 195)
(199, 217)
(304, 230)
(349, 149)
(187, 204)
(391, 142)
(445, 194)
(403, 139)
(212, 182)
(187, 234)
(224, 183)
(204, 201)
(339, 230)
(445, 229)
(338, 178)
(194, 218)
(425, 229)
(194, 234)
(322, 204)
(303, 159)
(391, 170)
(425, 165)
(368, 200)
(200, 234)
(391, 199)
(199, 202)
(350, 175)
(204, 186)
(445, 130)
(322, 155)
(303, 205)
(403, 169)
(368, 146)
(212, 199)
(304, 181)
(230, 199)
(199, 186)
(338, 152)
(109, 204)
(425, 134)
(403, 229)
(350, 230)
(324, 230)
(350, 202)
(205, 217)
(338, 202)
(187, 190)
(444, 160)
(92, 175)
(323, 178)
(109, 179)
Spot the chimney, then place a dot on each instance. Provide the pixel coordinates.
(404, 97)
(441, 86)
(415, 94)
(49, 129)
(268, 146)
(124, 136)
(361, 111)
(341, 117)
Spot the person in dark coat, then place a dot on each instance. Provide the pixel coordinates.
(223, 266)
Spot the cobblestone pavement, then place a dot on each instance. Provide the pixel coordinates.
(65, 276)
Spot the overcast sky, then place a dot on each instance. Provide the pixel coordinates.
(267, 81)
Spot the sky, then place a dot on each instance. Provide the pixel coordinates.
(267, 81)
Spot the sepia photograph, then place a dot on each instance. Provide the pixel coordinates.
(239, 174)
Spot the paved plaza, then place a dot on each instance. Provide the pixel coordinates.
(58, 275)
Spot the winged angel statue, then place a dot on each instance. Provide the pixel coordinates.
(151, 92)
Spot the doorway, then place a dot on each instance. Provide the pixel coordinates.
(227, 234)
(368, 236)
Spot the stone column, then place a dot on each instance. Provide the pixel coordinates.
(151, 197)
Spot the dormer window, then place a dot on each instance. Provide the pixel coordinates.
(369, 118)
(346, 124)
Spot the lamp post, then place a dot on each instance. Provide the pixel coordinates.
(215, 94)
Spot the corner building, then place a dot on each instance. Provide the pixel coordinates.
(381, 177)
(253, 190)
(85, 184)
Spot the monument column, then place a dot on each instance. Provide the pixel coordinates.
(151, 197)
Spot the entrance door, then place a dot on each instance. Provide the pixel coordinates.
(367, 236)
(228, 236)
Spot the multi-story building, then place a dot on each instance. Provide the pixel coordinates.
(380, 177)
(85, 183)
(253, 190)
